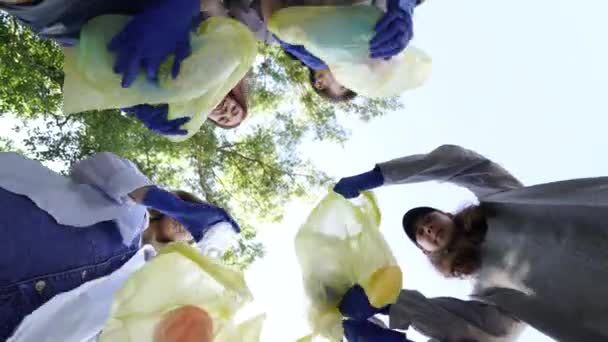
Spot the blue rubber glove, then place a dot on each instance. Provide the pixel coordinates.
(196, 217)
(394, 30)
(155, 119)
(303, 55)
(150, 37)
(351, 187)
(365, 331)
(356, 305)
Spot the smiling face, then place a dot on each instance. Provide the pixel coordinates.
(434, 231)
(229, 113)
(232, 111)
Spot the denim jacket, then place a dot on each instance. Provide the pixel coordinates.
(41, 255)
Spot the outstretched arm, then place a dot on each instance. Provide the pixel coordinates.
(121, 181)
(453, 320)
(453, 164)
(447, 163)
(197, 218)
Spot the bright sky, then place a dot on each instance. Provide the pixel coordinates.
(522, 82)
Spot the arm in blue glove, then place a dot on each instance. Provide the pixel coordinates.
(365, 331)
(161, 30)
(356, 305)
(155, 119)
(196, 217)
(303, 55)
(394, 30)
(351, 187)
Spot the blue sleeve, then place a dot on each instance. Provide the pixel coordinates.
(114, 176)
(299, 52)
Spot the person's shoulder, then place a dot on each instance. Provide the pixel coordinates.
(451, 149)
(12, 155)
(14, 159)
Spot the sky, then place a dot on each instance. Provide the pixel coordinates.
(522, 82)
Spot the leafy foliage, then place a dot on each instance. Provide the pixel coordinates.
(30, 71)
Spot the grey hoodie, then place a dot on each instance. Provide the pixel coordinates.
(544, 258)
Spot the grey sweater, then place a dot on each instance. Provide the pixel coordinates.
(544, 258)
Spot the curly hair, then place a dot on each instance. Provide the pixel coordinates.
(462, 257)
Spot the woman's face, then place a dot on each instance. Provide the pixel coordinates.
(325, 81)
(434, 231)
(229, 113)
(169, 230)
(233, 108)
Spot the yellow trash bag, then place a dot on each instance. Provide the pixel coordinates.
(223, 51)
(339, 36)
(340, 245)
(180, 277)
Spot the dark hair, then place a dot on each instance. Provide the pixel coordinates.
(462, 256)
(349, 95)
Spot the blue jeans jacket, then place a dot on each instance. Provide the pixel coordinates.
(40, 258)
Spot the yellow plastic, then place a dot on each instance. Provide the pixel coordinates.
(308, 338)
(340, 245)
(248, 331)
(340, 37)
(180, 276)
(223, 51)
(383, 284)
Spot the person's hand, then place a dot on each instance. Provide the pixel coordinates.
(188, 323)
(303, 55)
(196, 217)
(150, 37)
(155, 119)
(394, 30)
(351, 187)
(356, 305)
(365, 331)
